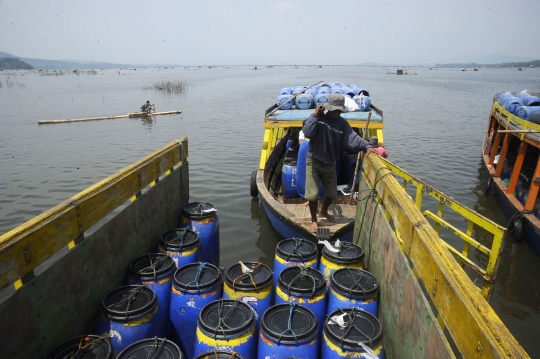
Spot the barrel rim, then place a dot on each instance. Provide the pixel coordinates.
(193, 288)
(226, 333)
(336, 257)
(74, 343)
(142, 311)
(345, 290)
(347, 343)
(288, 256)
(167, 345)
(176, 246)
(186, 213)
(244, 287)
(289, 338)
(301, 291)
(165, 270)
(219, 354)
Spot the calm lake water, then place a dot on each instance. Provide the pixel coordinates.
(435, 122)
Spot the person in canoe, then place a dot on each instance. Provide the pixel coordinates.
(328, 133)
(147, 107)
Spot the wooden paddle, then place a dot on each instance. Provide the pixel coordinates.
(360, 156)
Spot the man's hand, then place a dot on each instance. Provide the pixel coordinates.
(371, 150)
(319, 110)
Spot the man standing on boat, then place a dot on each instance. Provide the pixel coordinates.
(328, 133)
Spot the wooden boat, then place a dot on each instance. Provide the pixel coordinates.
(291, 216)
(510, 152)
(56, 268)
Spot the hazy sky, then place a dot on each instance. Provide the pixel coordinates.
(270, 32)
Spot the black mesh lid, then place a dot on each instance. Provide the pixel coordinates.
(151, 266)
(348, 253)
(262, 276)
(155, 348)
(179, 239)
(187, 277)
(129, 301)
(96, 348)
(353, 282)
(367, 329)
(223, 318)
(199, 210)
(301, 280)
(297, 249)
(219, 355)
(275, 321)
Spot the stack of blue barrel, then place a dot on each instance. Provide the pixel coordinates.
(522, 104)
(319, 95)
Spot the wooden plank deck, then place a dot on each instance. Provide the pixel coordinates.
(344, 214)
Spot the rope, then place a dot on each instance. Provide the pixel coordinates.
(128, 298)
(233, 354)
(152, 267)
(349, 325)
(81, 348)
(158, 346)
(245, 276)
(357, 283)
(297, 243)
(304, 274)
(197, 278)
(222, 317)
(289, 323)
(179, 235)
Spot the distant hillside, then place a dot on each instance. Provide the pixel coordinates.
(10, 63)
(65, 65)
(535, 63)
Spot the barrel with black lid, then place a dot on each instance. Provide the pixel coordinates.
(201, 217)
(305, 286)
(353, 288)
(155, 270)
(182, 245)
(83, 347)
(128, 315)
(254, 287)
(194, 286)
(292, 252)
(288, 330)
(228, 325)
(350, 332)
(344, 254)
(155, 348)
(216, 354)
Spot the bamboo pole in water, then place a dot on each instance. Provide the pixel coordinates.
(130, 115)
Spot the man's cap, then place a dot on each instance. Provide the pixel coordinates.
(336, 101)
(374, 141)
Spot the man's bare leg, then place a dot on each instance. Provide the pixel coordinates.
(324, 209)
(313, 211)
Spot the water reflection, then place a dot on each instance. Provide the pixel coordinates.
(268, 236)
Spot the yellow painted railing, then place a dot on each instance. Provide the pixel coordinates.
(474, 327)
(27, 246)
(473, 219)
(526, 125)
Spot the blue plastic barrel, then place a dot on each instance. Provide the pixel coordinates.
(363, 102)
(288, 180)
(155, 270)
(511, 104)
(531, 101)
(336, 90)
(286, 91)
(531, 113)
(182, 245)
(298, 89)
(312, 91)
(218, 354)
(283, 99)
(362, 91)
(128, 315)
(348, 255)
(305, 286)
(304, 101)
(201, 217)
(353, 86)
(155, 348)
(94, 347)
(353, 288)
(227, 325)
(348, 91)
(288, 331)
(322, 98)
(301, 170)
(323, 90)
(522, 94)
(292, 252)
(255, 288)
(502, 97)
(194, 286)
(343, 341)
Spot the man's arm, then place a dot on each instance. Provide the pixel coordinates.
(354, 142)
(310, 128)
